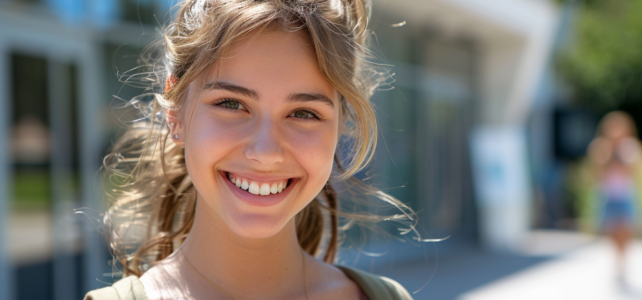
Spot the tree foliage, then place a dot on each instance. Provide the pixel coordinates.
(603, 62)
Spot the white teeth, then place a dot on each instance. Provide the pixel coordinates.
(265, 189)
(254, 188)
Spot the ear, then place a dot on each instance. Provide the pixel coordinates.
(175, 126)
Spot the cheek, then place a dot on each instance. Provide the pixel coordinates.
(314, 150)
(207, 141)
(209, 137)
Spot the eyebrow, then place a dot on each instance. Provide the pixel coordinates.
(295, 97)
(305, 97)
(222, 85)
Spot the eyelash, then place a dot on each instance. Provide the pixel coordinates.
(221, 103)
(315, 115)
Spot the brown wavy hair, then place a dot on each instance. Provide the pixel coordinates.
(152, 198)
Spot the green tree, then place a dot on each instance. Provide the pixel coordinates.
(603, 60)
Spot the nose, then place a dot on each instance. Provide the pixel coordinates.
(265, 146)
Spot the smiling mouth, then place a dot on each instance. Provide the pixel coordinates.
(256, 187)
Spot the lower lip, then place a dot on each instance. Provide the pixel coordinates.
(258, 200)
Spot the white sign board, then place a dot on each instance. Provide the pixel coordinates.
(502, 187)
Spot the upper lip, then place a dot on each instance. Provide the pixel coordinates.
(260, 177)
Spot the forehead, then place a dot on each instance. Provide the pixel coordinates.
(272, 61)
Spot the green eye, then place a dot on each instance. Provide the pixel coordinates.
(302, 114)
(232, 104)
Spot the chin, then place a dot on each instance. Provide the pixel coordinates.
(256, 226)
(258, 216)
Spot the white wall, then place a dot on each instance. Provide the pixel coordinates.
(515, 38)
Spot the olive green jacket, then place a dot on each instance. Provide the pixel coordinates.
(375, 287)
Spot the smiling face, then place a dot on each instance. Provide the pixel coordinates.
(260, 131)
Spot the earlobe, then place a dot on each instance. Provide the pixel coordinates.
(176, 133)
(172, 130)
(174, 126)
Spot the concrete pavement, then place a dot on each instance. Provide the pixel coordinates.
(554, 265)
(587, 273)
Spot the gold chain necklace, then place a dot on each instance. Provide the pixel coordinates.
(305, 280)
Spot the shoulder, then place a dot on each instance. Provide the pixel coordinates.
(376, 287)
(128, 288)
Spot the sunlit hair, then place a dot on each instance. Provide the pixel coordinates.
(151, 194)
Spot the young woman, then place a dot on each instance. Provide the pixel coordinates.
(615, 154)
(223, 189)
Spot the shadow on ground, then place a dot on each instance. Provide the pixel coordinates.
(446, 271)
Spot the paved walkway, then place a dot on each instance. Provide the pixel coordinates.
(587, 273)
(558, 266)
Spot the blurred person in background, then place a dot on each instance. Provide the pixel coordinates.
(612, 176)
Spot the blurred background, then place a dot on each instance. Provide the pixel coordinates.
(485, 134)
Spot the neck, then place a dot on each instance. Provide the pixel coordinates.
(273, 266)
